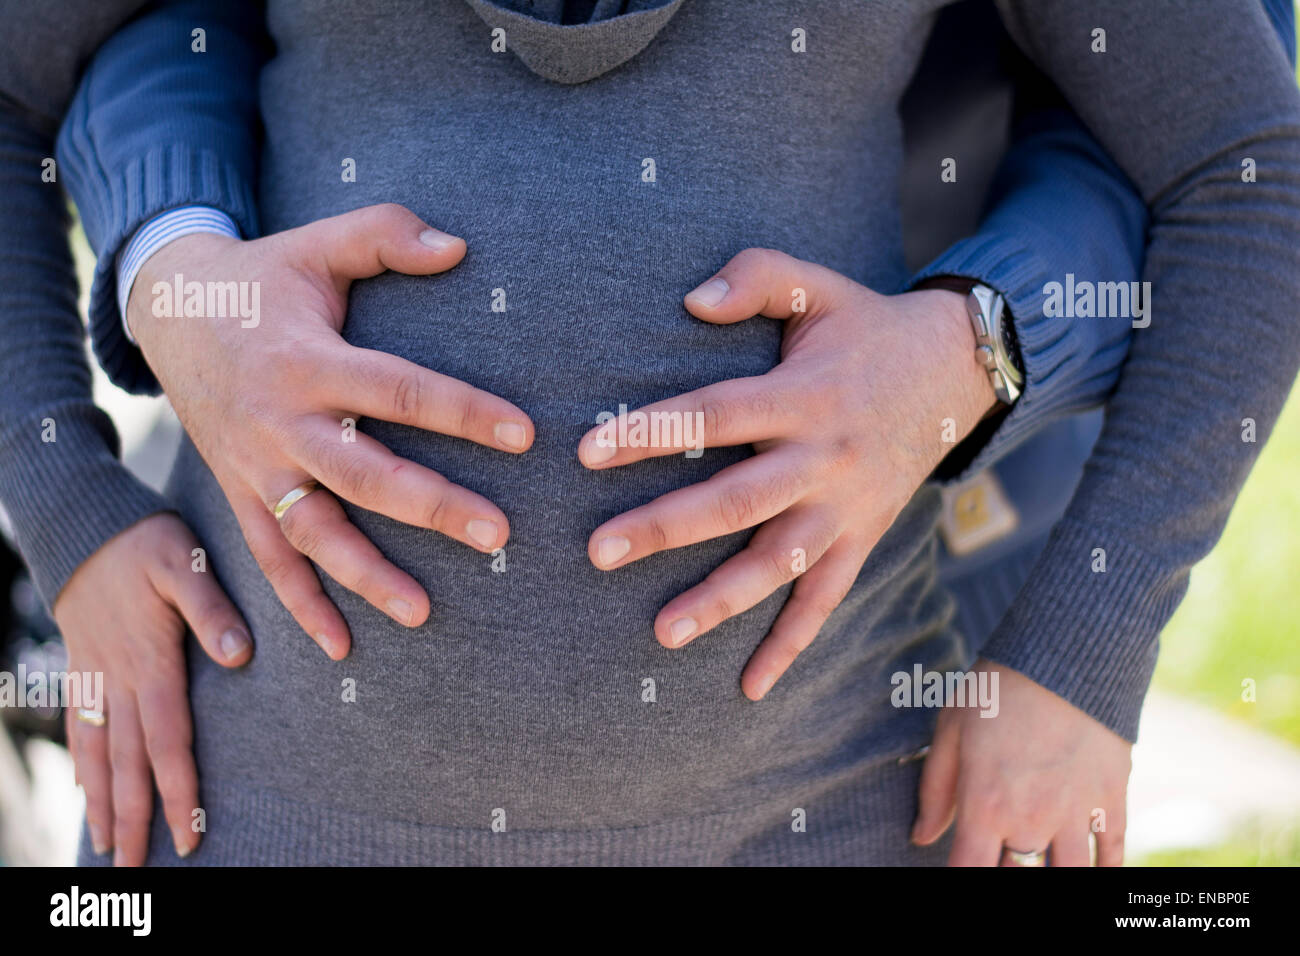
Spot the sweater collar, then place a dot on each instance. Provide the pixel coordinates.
(613, 33)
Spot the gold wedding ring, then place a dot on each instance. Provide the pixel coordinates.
(95, 718)
(293, 497)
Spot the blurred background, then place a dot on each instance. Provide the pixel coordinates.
(1216, 778)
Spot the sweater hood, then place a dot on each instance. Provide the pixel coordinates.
(613, 32)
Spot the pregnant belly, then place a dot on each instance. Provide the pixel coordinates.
(569, 344)
(536, 683)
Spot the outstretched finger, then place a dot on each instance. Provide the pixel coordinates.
(164, 708)
(370, 476)
(319, 528)
(780, 550)
(132, 782)
(89, 746)
(392, 389)
(738, 497)
(815, 596)
(209, 612)
(292, 578)
(739, 411)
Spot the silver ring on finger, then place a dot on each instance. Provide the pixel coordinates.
(1024, 857)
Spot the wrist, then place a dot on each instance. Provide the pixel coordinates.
(996, 344)
(953, 330)
(163, 266)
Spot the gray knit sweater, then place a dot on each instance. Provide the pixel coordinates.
(61, 485)
(523, 702)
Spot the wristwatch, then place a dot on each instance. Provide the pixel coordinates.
(996, 346)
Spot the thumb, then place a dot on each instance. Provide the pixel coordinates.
(367, 241)
(762, 282)
(209, 612)
(938, 787)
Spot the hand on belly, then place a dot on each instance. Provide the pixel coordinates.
(270, 394)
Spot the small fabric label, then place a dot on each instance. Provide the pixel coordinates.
(976, 512)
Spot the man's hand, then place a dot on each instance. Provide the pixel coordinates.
(265, 407)
(1039, 775)
(871, 393)
(123, 614)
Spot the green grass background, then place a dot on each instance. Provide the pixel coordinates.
(1241, 618)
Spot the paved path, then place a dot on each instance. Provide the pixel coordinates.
(1197, 776)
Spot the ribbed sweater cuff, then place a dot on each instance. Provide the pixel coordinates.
(1089, 636)
(163, 178)
(1006, 264)
(67, 497)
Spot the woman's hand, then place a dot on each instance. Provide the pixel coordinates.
(265, 405)
(871, 393)
(123, 614)
(1040, 775)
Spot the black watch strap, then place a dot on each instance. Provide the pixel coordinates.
(962, 286)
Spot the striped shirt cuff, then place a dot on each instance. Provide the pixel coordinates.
(156, 233)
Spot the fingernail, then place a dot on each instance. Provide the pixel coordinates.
(436, 240)
(482, 532)
(329, 646)
(597, 452)
(97, 840)
(234, 642)
(400, 610)
(611, 548)
(711, 293)
(764, 685)
(180, 837)
(510, 434)
(119, 858)
(681, 629)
